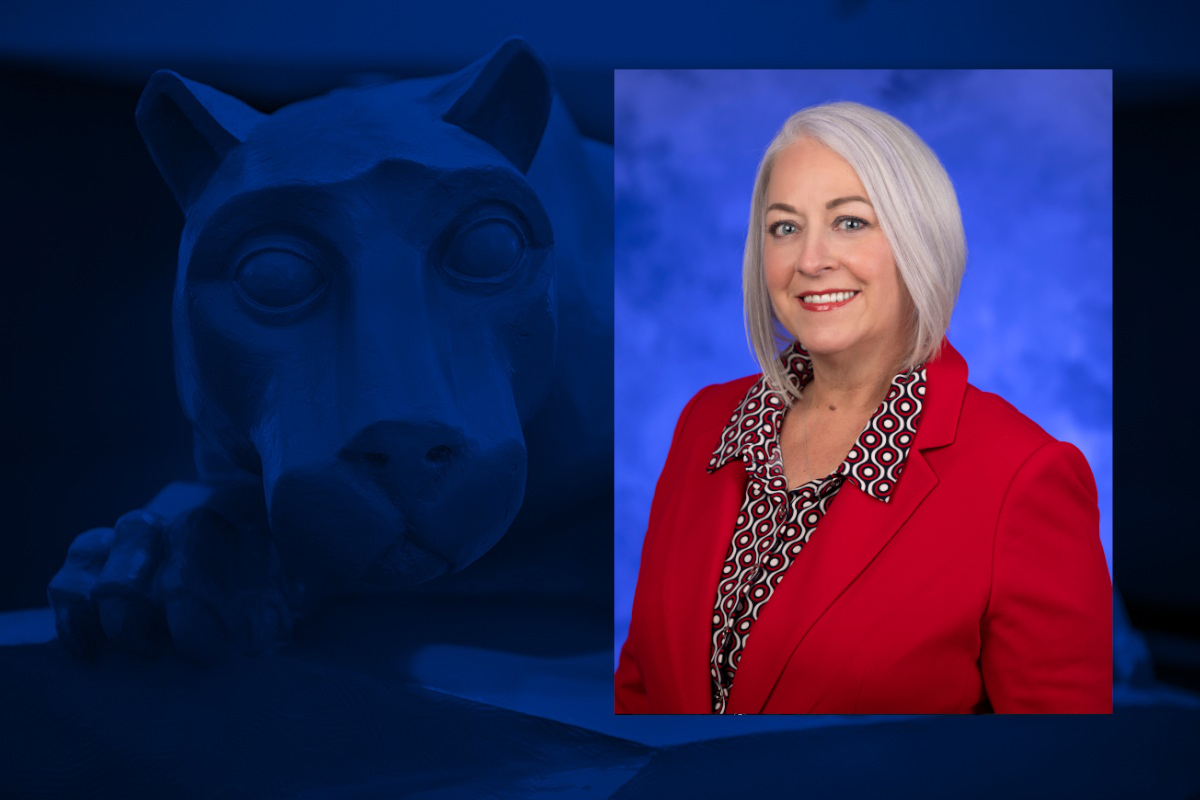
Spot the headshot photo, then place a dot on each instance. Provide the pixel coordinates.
(863, 416)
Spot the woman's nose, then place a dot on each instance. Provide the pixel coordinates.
(815, 255)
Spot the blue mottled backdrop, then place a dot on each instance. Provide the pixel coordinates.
(1030, 154)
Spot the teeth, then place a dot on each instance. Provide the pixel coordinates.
(835, 297)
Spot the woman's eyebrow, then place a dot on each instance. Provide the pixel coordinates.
(852, 198)
(831, 204)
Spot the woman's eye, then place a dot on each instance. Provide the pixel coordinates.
(278, 279)
(782, 229)
(486, 251)
(850, 223)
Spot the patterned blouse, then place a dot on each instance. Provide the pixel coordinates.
(775, 523)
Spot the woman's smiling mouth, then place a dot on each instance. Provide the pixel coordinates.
(826, 300)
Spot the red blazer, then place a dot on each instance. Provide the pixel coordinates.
(981, 583)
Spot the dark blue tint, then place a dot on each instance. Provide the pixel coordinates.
(278, 279)
(92, 427)
(486, 251)
(390, 334)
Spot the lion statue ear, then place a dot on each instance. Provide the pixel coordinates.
(504, 99)
(188, 128)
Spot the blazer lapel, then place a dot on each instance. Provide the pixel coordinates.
(852, 533)
(846, 541)
(690, 591)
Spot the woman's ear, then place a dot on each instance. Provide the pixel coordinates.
(188, 128)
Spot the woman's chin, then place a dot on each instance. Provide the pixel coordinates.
(828, 344)
(842, 343)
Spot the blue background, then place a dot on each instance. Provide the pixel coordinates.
(1030, 156)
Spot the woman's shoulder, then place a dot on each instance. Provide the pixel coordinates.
(716, 402)
(995, 445)
(982, 427)
(992, 411)
(707, 413)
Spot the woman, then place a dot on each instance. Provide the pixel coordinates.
(941, 551)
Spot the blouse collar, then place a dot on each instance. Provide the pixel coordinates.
(874, 463)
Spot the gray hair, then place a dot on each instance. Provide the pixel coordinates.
(918, 213)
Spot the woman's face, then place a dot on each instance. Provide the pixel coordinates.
(822, 237)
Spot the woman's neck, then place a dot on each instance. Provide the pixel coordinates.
(854, 385)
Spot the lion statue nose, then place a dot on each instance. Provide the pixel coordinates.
(411, 461)
(399, 504)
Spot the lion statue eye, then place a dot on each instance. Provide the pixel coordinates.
(278, 279)
(487, 251)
